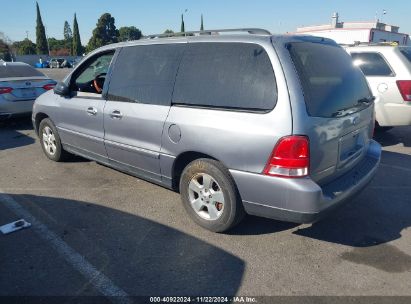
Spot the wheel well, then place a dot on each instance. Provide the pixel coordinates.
(181, 162)
(38, 119)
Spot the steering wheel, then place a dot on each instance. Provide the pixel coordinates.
(98, 82)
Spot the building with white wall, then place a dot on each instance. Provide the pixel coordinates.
(352, 32)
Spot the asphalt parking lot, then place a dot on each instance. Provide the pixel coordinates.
(97, 231)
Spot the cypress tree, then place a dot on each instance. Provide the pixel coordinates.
(182, 30)
(68, 36)
(202, 23)
(41, 40)
(76, 47)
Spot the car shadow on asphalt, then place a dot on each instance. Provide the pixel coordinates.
(394, 136)
(141, 256)
(253, 225)
(14, 133)
(378, 215)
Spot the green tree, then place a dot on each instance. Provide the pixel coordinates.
(77, 49)
(56, 44)
(182, 28)
(58, 47)
(104, 33)
(68, 36)
(202, 23)
(5, 52)
(41, 40)
(127, 33)
(25, 47)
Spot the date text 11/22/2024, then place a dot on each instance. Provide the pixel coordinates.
(203, 299)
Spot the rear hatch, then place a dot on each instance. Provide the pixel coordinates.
(339, 116)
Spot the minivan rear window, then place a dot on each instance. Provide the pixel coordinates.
(237, 76)
(8, 71)
(330, 81)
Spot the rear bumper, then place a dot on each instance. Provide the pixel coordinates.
(10, 108)
(393, 114)
(303, 200)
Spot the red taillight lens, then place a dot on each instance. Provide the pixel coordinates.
(5, 90)
(405, 89)
(49, 86)
(290, 157)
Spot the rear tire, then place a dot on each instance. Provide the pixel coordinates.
(50, 141)
(210, 196)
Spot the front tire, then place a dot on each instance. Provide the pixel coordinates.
(210, 196)
(50, 141)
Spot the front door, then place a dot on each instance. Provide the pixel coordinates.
(80, 121)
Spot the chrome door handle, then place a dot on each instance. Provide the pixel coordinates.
(116, 114)
(92, 111)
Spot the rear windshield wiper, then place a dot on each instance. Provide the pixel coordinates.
(344, 112)
(366, 100)
(351, 110)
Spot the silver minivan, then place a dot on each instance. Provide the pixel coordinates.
(240, 123)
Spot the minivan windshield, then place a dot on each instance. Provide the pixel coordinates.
(332, 85)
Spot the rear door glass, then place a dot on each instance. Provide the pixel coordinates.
(7, 71)
(330, 81)
(146, 74)
(372, 64)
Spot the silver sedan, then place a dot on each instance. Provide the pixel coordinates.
(20, 85)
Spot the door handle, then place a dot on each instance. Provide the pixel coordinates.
(92, 111)
(116, 114)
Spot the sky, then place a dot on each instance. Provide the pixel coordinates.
(18, 17)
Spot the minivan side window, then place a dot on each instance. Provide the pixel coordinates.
(145, 73)
(372, 64)
(226, 75)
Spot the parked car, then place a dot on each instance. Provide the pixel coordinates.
(75, 61)
(59, 63)
(388, 71)
(244, 123)
(20, 85)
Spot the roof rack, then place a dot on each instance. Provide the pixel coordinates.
(251, 31)
(382, 43)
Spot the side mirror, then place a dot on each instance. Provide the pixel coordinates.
(62, 89)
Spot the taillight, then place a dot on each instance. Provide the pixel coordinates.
(5, 90)
(405, 89)
(290, 158)
(49, 86)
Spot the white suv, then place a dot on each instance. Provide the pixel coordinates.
(388, 71)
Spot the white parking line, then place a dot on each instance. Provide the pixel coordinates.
(100, 282)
